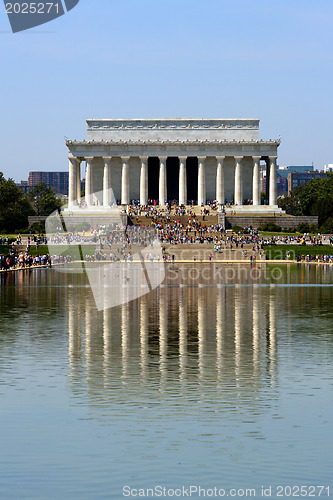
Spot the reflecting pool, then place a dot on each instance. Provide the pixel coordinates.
(212, 380)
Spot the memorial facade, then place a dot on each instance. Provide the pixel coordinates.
(191, 161)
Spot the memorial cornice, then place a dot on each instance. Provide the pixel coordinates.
(173, 124)
(172, 143)
(119, 148)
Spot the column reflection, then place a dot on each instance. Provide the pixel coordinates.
(88, 336)
(183, 338)
(144, 342)
(163, 335)
(182, 334)
(107, 339)
(256, 331)
(202, 331)
(74, 335)
(272, 339)
(125, 344)
(238, 309)
(220, 324)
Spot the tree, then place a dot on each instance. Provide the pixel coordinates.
(14, 206)
(43, 199)
(313, 198)
(327, 227)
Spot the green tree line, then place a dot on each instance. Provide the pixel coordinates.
(16, 206)
(313, 198)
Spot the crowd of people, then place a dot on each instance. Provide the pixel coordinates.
(325, 258)
(23, 260)
(170, 226)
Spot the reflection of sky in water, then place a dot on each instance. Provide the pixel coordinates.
(226, 386)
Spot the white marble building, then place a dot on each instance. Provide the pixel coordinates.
(173, 159)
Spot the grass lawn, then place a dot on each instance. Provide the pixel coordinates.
(267, 233)
(13, 236)
(4, 249)
(42, 249)
(73, 251)
(278, 252)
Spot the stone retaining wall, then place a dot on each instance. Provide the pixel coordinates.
(35, 219)
(73, 220)
(226, 220)
(258, 220)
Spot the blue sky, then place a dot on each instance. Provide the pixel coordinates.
(140, 59)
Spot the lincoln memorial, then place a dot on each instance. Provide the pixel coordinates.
(190, 161)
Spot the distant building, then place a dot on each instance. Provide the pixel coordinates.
(282, 184)
(328, 168)
(24, 186)
(284, 171)
(58, 181)
(296, 179)
(263, 184)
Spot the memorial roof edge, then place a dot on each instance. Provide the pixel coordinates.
(171, 119)
(172, 142)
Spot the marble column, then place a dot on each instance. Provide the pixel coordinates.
(78, 181)
(163, 197)
(125, 191)
(238, 197)
(201, 181)
(144, 180)
(182, 181)
(89, 182)
(107, 182)
(272, 181)
(256, 180)
(220, 198)
(72, 182)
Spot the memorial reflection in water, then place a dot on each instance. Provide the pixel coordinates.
(190, 337)
(209, 376)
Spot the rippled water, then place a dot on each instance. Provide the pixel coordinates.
(206, 381)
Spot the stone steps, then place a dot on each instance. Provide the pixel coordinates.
(207, 220)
